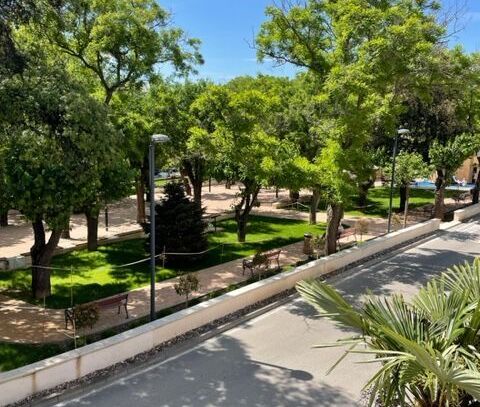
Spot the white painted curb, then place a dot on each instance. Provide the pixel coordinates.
(462, 214)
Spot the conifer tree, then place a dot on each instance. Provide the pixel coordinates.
(179, 227)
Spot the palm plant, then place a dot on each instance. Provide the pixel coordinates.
(427, 348)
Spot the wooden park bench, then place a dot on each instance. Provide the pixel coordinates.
(120, 300)
(267, 257)
(346, 233)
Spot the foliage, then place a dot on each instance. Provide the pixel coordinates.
(187, 284)
(362, 53)
(426, 346)
(86, 315)
(448, 157)
(120, 41)
(447, 104)
(408, 166)
(234, 132)
(179, 227)
(362, 226)
(59, 137)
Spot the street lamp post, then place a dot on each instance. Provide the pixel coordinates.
(155, 139)
(400, 132)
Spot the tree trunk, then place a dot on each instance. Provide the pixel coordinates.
(334, 216)
(140, 190)
(403, 197)
(195, 168)
(363, 192)
(440, 195)
(92, 229)
(4, 219)
(243, 209)
(197, 191)
(476, 189)
(186, 184)
(314, 206)
(241, 229)
(294, 195)
(66, 233)
(108, 96)
(41, 254)
(405, 213)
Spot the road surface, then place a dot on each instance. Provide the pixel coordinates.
(269, 360)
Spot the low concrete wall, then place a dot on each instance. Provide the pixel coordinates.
(25, 381)
(462, 214)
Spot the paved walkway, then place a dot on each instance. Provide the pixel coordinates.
(25, 323)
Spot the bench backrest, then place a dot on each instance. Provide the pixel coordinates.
(112, 300)
(274, 253)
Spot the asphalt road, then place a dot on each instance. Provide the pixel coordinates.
(269, 360)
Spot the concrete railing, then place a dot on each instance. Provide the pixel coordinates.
(20, 383)
(462, 214)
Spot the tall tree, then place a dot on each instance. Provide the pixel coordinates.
(172, 112)
(447, 158)
(59, 135)
(363, 54)
(119, 43)
(238, 144)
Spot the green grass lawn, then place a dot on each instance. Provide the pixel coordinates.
(378, 201)
(93, 275)
(13, 355)
(379, 198)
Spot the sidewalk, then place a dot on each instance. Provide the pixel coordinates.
(22, 322)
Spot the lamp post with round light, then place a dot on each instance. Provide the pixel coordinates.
(155, 139)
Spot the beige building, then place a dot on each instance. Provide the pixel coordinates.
(468, 170)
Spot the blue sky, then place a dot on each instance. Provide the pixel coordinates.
(227, 29)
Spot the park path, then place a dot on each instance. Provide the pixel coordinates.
(22, 322)
(17, 239)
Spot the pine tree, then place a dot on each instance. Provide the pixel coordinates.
(179, 227)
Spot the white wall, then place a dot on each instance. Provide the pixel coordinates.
(17, 384)
(465, 213)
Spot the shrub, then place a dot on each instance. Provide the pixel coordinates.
(318, 244)
(362, 226)
(187, 284)
(86, 315)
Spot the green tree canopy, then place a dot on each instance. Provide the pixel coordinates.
(55, 145)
